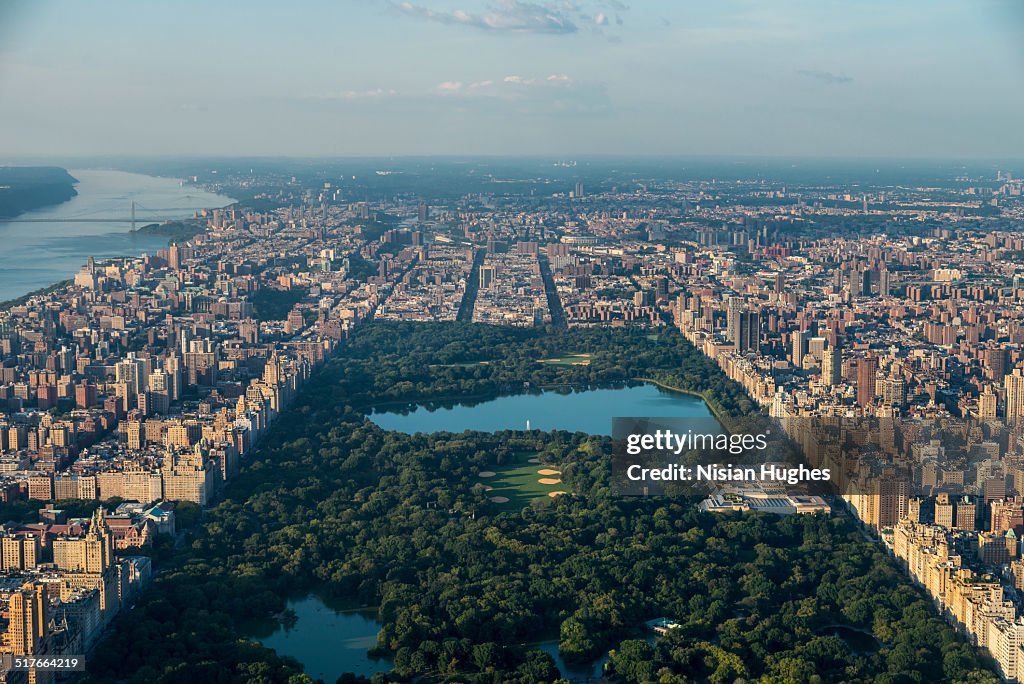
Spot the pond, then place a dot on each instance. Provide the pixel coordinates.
(859, 641)
(589, 410)
(329, 642)
(326, 641)
(574, 671)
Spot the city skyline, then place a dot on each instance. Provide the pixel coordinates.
(368, 341)
(599, 77)
(166, 393)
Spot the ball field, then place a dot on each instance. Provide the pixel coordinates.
(568, 360)
(516, 485)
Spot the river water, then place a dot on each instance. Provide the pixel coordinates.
(35, 255)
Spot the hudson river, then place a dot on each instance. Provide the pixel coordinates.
(35, 255)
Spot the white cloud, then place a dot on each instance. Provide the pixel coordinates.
(535, 95)
(552, 79)
(826, 76)
(518, 16)
(503, 16)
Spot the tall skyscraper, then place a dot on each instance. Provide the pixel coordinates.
(987, 403)
(734, 306)
(832, 366)
(884, 502)
(749, 338)
(92, 553)
(914, 510)
(135, 431)
(29, 617)
(867, 370)
(487, 274)
(799, 342)
(173, 365)
(966, 514)
(185, 340)
(995, 361)
(894, 391)
(944, 511)
(1014, 383)
(19, 552)
(856, 283)
(159, 388)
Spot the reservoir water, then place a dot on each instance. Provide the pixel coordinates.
(589, 411)
(36, 255)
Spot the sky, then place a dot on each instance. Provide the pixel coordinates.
(804, 78)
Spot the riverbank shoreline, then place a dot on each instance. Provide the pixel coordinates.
(55, 240)
(33, 188)
(18, 301)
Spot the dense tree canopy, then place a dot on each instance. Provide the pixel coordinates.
(332, 503)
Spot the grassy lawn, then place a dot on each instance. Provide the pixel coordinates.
(519, 483)
(468, 364)
(568, 360)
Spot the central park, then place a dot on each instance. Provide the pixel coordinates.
(410, 525)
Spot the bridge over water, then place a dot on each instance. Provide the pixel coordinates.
(132, 218)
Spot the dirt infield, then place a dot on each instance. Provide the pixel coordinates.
(549, 480)
(499, 499)
(554, 494)
(487, 473)
(548, 471)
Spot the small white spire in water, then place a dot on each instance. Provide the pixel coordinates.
(527, 424)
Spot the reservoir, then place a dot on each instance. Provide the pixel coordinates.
(589, 411)
(36, 255)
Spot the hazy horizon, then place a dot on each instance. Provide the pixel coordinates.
(940, 80)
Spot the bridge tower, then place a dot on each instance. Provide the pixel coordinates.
(133, 216)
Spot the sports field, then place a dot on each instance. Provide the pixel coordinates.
(520, 483)
(568, 360)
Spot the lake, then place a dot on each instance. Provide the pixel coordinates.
(36, 255)
(589, 411)
(327, 642)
